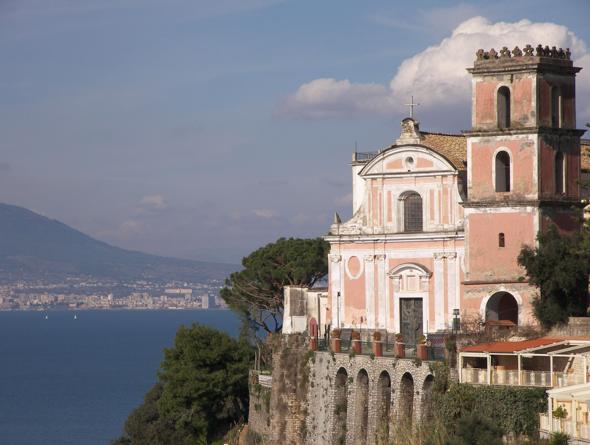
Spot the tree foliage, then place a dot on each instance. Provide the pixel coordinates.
(256, 292)
(474, 429)
(202, 391)
(559, 267)
(514, 409)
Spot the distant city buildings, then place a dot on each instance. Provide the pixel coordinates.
(88, 294)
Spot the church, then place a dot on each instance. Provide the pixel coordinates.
(440, 219)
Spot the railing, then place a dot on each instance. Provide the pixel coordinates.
(388, 349)
(504, 377)
(477, 376)
(365, 156)
(536, 378)
(561, 379)
(544, 422)
(580, 431)
(527, 378)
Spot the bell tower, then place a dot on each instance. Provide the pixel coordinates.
(523, 166)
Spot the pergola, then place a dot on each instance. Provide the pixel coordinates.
(546, 347)
(575, 395)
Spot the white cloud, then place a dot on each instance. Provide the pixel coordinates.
(323, 98)
(155, 202)
(129, 227)
(437, 76)
(265, 213)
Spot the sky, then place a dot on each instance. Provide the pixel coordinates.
(206, 129)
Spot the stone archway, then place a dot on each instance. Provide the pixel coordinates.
(361, 408)
(502, 306)
(427, 414)
(406, 399)
(340, 406)
(383, 408)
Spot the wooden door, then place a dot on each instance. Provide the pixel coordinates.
(411, 319)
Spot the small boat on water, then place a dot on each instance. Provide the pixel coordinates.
(75, 317)
(46, 316)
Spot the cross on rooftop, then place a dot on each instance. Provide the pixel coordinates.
(412, 105)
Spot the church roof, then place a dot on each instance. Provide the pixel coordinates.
(454, 148)
(451, 146)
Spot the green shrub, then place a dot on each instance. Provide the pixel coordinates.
(558, 439)
(560, 413)
(474, 429)
(514, 409)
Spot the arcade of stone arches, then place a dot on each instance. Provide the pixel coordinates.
(405, 400)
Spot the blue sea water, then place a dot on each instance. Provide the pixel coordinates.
(67, 381)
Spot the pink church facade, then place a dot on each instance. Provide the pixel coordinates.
(404, 247)
(439, 220)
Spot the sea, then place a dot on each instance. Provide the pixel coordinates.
(72, 378)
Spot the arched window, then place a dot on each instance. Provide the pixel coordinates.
(503, 110)
(555, 107)
(559, 173)
(412, 212)
(502, 172)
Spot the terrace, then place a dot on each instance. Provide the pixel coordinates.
(568, 413)
(544, 362)
(386, 346)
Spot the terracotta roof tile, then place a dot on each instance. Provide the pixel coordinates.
(511, 346)
(454, 148)
(451, 146)
(514, 346)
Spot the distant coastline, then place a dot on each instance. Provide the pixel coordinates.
(92, 309)
(83, 293)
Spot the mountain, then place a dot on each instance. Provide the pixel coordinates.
(35, 247)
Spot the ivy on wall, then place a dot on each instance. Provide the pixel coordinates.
(514, 409)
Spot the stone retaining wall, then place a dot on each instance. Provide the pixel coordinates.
(321, 398)
(323, 409)
(259, 408)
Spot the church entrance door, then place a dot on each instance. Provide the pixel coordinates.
(411, 319)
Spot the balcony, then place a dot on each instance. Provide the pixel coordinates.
(572, 402)
(546, 379)
(576, 430)
(544, 362)
(388, 348)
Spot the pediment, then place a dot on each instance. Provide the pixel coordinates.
(407, 159)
